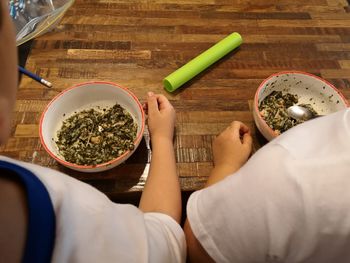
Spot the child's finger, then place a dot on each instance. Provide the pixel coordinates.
(238, 128)
(163, 102)
(145, 107)
(244, 129)
(152, 103)
(247, 139)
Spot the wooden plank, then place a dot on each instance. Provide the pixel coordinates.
(306, 23)
(335, 73)
(333, 47)
(27, 130)
(345, 64)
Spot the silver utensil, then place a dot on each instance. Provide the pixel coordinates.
(301, 113)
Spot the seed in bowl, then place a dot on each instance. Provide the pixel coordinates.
(274, 107)
(92, 137)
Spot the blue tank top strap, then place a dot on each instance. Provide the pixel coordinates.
(41, 215)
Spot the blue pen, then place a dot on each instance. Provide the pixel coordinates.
(13, 11)
(35, 77)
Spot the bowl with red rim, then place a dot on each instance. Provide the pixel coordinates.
(84, 96)
(321, 95)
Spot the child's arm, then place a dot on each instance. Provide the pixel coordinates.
(13, 219)
(231, 149)
(162, 190)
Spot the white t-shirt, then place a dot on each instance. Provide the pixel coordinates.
(91, 228)
(289, 203)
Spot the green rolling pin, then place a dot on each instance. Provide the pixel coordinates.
(201, 62)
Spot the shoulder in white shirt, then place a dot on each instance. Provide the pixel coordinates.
(289, 203)
(91, 228)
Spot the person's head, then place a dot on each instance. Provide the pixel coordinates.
(8, 71)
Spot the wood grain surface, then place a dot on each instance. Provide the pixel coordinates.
(137, 43)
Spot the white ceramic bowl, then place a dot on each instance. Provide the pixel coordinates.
(84, 96)
(322, 95)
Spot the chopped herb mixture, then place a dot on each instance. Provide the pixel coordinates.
(274, 110)
(91, 137)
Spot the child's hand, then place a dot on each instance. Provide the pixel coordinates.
(161, 116)
(231, 149)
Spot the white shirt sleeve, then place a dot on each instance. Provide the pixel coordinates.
(163, 232)
(236, 219)
(91, 228)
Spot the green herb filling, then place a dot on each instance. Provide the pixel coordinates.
(91, 137)
(274, 110)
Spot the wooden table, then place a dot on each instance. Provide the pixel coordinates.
(138, 43)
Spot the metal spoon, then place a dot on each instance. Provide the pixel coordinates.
(301, 113)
